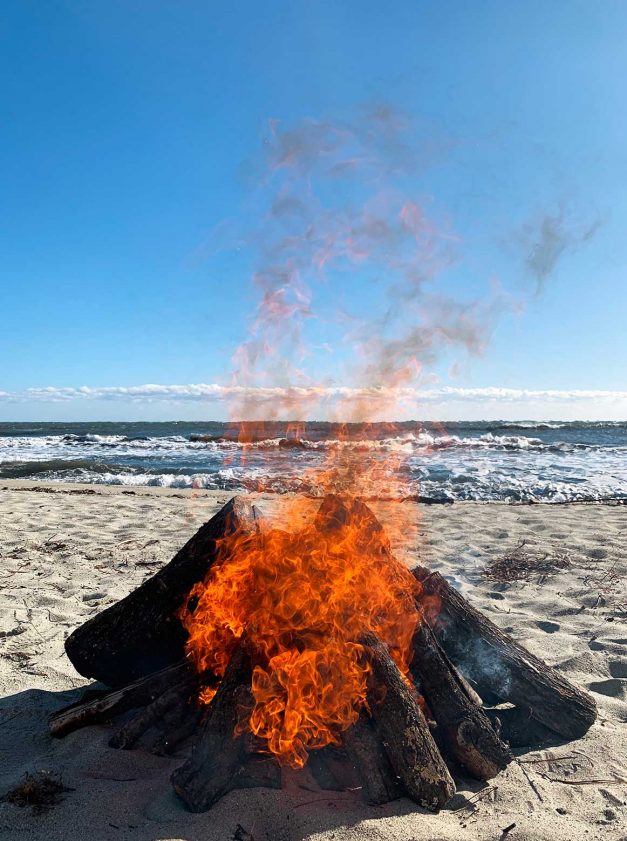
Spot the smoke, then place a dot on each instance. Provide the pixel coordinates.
(347, 245)
(549, 238)
(335, 222)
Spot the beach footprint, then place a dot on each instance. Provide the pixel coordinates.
(618, 668)
(613, 688)
(548, 627)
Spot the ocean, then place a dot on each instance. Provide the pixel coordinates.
(492, 460)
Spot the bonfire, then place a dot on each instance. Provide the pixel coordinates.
(311, 650)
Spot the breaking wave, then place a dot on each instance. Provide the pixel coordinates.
(495, 460)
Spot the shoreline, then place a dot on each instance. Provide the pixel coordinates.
(90, 489)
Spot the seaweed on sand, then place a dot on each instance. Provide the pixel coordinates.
(41, 790)
(520, 565)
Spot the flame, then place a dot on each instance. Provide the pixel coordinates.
(304, 599)
(304, 596)
(336, 229)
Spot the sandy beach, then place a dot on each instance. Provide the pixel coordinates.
(69, 551)
(350, 277)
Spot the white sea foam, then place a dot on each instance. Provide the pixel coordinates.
(523, 461)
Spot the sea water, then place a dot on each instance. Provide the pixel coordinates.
(492, 460)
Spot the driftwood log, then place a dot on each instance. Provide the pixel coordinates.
(141, 633)
(498, 666)
(399, 746)
(405, 733)
(221, 760)
(464, 728)
(102, 705)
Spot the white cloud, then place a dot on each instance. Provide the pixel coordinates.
(524, 395)
(203, 392)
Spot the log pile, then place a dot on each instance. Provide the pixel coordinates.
(409, 740)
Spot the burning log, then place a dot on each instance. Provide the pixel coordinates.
(465, 729)
(221, 760)
(496, 664)
(141, 633)
(406, 736)
(382, 737)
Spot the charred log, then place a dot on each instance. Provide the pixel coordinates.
(464, 728)
(220, 761)
(141, 633)
(331, 769)
(108, 704)
(498, 665)
(517, 727)
(178, 729)
(405, 733)
(365, 751)
(157, 712)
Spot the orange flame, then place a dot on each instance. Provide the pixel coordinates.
(304, 598)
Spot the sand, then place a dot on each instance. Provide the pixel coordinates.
(67, 552)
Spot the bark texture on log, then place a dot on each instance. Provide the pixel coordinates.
(364, 749)
(516, 727)
(497, 664)
(107, 704)
(220, 760)
(156, 713)
(405, 733)
(465, 729)
(141, 633)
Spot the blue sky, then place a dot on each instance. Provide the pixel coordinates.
(132, 156)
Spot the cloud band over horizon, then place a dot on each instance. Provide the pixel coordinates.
(202, 392)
